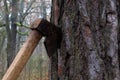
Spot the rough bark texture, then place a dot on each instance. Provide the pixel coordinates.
(89, 49)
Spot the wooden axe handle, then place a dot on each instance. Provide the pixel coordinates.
(23, 55)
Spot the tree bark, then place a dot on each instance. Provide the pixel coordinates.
(89, 49)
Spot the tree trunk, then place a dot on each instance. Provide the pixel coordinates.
(8, 31)
(11, 30)
(89, 49)
(12, 49)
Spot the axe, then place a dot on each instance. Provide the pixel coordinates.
(39, 28)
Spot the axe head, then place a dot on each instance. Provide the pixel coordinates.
(52, 33)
